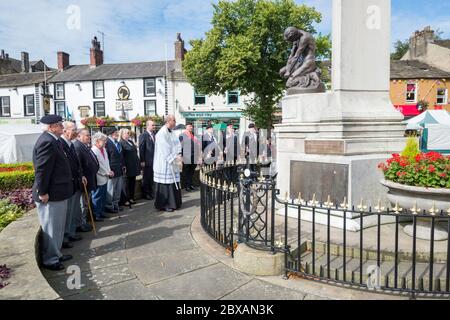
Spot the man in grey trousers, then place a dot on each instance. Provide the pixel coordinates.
(78, 181)
(117, 165)
(51, 190)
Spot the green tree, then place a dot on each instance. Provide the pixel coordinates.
(245, 50)
(400, 49)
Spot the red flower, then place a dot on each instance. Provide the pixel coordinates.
(433, 156)
(403, 163)
(443, 175)
(401, 174)
(431, 168)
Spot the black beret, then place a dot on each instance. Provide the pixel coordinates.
(51, 119)
(110, 130)
(251, 125)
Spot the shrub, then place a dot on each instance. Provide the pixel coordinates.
(412, 148)
(27, 166)
(430, 170)
(16, 180)
(21, 197)
(8, 213)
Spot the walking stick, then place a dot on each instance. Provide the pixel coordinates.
(86, 194)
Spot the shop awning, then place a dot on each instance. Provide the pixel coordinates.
(408, 110)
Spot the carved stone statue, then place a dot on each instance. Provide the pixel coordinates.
(301, 71)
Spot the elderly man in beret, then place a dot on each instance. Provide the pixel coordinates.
(51, 191)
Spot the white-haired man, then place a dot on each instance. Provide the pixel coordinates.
(166, 167)
(78, 181)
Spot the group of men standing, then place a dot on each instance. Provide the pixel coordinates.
(70, 175)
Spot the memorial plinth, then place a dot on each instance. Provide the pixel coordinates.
(331, 143)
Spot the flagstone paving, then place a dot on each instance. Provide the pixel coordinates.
(152, 255)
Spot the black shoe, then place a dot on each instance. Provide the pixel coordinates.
(65, 258)
(85, 228)
(169, 210)
(111, 211)
(192, 188)
(55, 267)
(149, 198)
(75, 238)
(67, 245)
(132, 202)
(96, 219)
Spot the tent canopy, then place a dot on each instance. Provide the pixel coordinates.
(17, 142)
(429, 117)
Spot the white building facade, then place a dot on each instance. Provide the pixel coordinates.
(120, 91)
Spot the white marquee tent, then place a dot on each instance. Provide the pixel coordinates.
(441, 117)
(17, 142)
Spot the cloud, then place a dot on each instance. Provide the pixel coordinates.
(140, 30)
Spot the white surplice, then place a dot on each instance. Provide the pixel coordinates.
(167, 149)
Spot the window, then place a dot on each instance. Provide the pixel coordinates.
(60, 109)
(59, 91)
(5, 107)
(411, 92)
(99, 90)
(150, 107)
(28, 105)
(99, 109)
(149, 87)
(199, 99)
(233, 97)
(441, 96)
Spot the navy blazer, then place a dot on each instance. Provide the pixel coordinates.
(89, 164)
(53, 175)
(147, 148)
(116, 161)
(75, 165)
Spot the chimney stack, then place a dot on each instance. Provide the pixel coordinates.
(96, 53)
(63, 60)
(180, 51)
(25, 62)
(2, 55)
(418, 43)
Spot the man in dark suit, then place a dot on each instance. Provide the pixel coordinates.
(78, 180)
(209, 145)
(146, 154)
(89, 166)
(52, 188)
(117, 165)
(190, 150)
(231, 147)
(251, 144)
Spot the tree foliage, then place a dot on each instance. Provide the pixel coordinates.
(245, 49)
(400, 49)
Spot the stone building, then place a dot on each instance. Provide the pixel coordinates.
(422, 75)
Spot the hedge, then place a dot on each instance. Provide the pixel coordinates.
(8, 213)
(16, 180)
(26, 166)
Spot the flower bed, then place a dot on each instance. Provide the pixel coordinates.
(429, 170)
(8, 213)
(16, 181)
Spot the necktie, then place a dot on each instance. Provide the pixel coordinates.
(118, 146)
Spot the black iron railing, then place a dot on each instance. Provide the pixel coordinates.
(369, 247)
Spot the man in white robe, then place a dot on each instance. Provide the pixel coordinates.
(166, 168)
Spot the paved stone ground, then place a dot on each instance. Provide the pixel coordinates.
(153, 255)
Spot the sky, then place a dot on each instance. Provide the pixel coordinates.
(144, 30)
